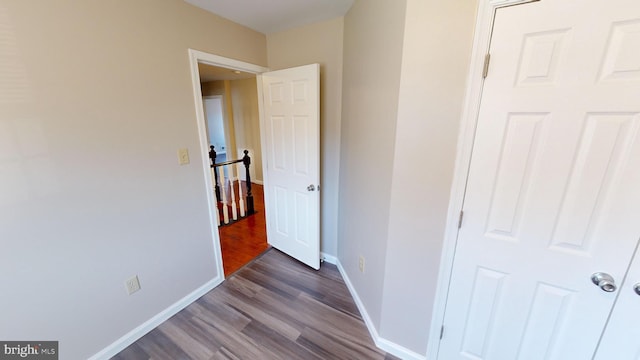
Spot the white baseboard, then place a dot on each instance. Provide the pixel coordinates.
(259, 182)
(398, 350)
(329, 258)
(382, 343)
(135, 334)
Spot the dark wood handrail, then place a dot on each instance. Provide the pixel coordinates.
(227, 163)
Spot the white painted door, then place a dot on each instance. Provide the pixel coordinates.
(553, 191)
(291, 153)
(621, 338)
(213, 113)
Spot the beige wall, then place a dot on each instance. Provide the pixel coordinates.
(244, 96)
(319, 43)
(91, 192)
(402, 98)
(373, 36)
(212, 88)
(435, 61)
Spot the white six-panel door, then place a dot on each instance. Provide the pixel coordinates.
(553, 192)
(291, 135)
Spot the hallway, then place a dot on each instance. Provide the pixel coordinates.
(245, 239)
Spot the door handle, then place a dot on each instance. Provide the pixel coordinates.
(636, 288)
(311, 187)
(604, 281)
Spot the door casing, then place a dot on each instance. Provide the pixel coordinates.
(481, 41)
(196, 57)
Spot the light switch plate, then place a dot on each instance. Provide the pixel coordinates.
(183, 156)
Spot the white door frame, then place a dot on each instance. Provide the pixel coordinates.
(466, 135)
(196, 57)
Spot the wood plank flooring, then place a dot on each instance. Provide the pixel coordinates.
(273, 308)
(245, 239)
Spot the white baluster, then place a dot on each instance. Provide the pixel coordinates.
(239, 168)
(223, 192)
(213, 177)
(234, 208)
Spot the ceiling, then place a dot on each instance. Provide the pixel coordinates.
(275, 15)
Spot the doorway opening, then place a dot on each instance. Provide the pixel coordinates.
(231, 111)
(230, 107)
(287, 131)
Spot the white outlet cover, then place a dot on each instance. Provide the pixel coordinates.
(132, 285)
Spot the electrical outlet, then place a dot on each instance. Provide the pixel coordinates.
(183, 156)
(361, 264)
(132, 285)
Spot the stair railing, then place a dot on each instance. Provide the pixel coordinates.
(225, 189)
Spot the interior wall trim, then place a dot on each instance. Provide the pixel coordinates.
(140, 331)
(382, 343)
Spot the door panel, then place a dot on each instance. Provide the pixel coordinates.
(291, 106)
(549, 198)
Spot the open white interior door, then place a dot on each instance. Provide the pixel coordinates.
(290, 128)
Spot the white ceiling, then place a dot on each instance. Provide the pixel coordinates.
(270, 16)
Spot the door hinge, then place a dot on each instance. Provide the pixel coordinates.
(485, 69)
(441, 332)
(460, 219)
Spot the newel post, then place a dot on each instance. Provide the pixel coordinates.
(246, 160)
(212, 157)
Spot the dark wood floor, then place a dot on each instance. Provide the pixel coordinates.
(274, 308)
(243, 240)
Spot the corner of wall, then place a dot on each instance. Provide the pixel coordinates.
(382, 343)
(429, 110)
